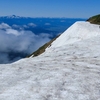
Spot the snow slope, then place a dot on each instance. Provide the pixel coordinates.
(69, 72)
(78, 31)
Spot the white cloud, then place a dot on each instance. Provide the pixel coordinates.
(4, 26)
(62, 21)
(25, 26)
(15, 26)
(12, 40)
(14, 32)
(47, 24)
(32, 24)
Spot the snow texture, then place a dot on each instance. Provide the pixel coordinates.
(66, 72)
(79, 31)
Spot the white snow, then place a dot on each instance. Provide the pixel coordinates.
(79, 31)
(67, 72)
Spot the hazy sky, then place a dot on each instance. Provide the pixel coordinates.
(50, 8)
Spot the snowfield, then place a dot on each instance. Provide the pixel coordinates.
(67, 71)
(77, 32)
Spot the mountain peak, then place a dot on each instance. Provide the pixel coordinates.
(13, 16)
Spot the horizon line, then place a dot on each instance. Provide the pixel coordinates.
(41, 17)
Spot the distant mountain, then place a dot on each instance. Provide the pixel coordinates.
(95, 19)
(41, 21)
(13, 19)
(12, 16)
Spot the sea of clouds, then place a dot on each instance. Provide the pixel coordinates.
(13, 41)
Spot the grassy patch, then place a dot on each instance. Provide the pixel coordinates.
(94, 19)
(42, 48)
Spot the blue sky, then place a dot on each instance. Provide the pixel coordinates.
(50, 8)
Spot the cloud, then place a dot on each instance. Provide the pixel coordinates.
(14, 32)
(32, 24)
(25, 26)
(14, 44)
(62, 21)
(47, 24)
(15, 26)
(4, 26)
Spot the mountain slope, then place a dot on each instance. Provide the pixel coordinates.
(68, 71)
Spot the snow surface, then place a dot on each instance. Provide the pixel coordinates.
(67, 72)
(78, 31)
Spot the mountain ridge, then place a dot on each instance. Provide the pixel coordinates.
(94, 19)
(17, 16)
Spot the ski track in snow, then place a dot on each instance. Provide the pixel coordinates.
(67, 72)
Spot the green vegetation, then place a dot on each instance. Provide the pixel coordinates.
(94, 19)
(42, 48)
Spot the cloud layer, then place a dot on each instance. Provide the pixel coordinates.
(15, 43)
